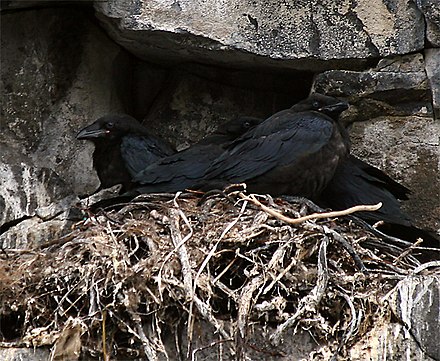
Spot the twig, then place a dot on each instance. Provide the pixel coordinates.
(175, 235)
(179, 245)
(354, 323)
(280, 275)
(289, 220)
(407, 251)
(212, 344)
(311, 301)
(59, 241)
(425, 266)
(228, 266)
(246, 298)
(149, 350)
(337, 237)
(104, 341)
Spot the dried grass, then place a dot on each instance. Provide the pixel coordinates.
(125, 279)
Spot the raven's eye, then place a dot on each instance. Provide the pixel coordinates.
(247, 124)
(109, 125)
(315, 104)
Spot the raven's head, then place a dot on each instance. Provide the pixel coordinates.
(111, 126)
(327, 105)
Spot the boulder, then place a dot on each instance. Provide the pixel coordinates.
(431, 12)
(302, 35)
(396, 86)
(432, 60)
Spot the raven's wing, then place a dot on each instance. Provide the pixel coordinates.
(351, 186)
(283, 139)
(139, 152)
(379, 178)
(186, 166)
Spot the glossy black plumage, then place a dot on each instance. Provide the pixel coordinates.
(294, 152)
(182, 170)
(358, 183)
(123, 147)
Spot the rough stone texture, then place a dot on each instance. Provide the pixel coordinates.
(407, 148)
(431, 11)
(302, 34)
(24, 354)
(27, 189)
(388, 341)
(432, 60)
(52, 83)
(416, 303)
(33, 232)
(396, 86)
(183, 116)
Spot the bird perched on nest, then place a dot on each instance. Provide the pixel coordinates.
(356, 182)
(123, 147)
(294, 152)
(182, 170)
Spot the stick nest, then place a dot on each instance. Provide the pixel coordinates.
(141, 281)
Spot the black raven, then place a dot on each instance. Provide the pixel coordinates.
(356, 182)
(182, 170)
(123, 147)
(293, 152)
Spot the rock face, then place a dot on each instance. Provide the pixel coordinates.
(431, 11)
(301, 34)
(416, 302)
(183, 67)
(432, 59)
(396, 86)
(50, 88)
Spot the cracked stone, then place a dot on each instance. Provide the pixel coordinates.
(302, 34)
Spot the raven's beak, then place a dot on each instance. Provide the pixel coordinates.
(91, 132)
(335, 108)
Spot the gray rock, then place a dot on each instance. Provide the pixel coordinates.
(388, 341)
(407, 148)
(431, 11)
(53, 82)
(26, 189)
(24, 354)
(393, 125)
(183, 115)
(301, 34)
(33, 232)
(432, 59)
(396, 86)
(416, 303)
